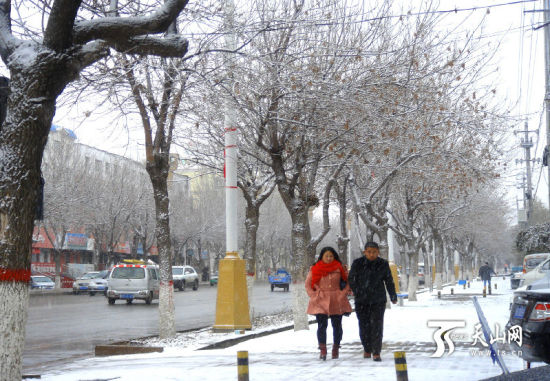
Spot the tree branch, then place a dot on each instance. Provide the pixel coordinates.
(122, 28)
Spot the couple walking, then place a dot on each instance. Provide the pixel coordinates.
(328, 285)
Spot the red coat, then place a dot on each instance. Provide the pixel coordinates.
(327, 298)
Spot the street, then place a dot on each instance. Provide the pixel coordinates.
(62, 327)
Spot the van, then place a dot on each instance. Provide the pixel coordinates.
(531, 261)
(537, 273)
(130, 282)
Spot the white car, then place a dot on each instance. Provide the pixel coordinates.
(41, 282)
(535, 274)
(91, 282)
(185, 276)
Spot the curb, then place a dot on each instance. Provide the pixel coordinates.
(117, 350)
(236, 340)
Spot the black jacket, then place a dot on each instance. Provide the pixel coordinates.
(485, 272)
(367, 279)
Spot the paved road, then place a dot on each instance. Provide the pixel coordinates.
(61, 327)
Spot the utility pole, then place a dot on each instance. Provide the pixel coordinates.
(527, 143)
(232, 309)
(546, 18)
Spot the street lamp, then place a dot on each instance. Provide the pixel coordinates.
(232, 310)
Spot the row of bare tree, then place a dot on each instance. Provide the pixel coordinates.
(336, 104)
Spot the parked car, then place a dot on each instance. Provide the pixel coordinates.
(541, 284)
(214, 279)
(41, 282)
(515, 280)
(535, 274)
(184, 276)
(530, 310)
(91, 282)
(281, 279)
(421, 273)
(530, 261)
(130, 282)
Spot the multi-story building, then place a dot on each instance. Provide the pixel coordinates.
(79, 251)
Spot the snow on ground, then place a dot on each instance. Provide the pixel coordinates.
(293, 355)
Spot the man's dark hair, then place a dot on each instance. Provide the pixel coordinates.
(371, 244)
(487, 263)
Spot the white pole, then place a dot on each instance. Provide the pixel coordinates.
(231, 190)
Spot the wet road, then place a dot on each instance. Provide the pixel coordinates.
(61, 327)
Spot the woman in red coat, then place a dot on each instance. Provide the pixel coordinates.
(327, 299)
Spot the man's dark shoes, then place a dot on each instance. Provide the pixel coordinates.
(376, 358)
(366, 355)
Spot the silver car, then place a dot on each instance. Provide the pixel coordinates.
(91, 282)
(41, 282)
(130, 282)
(185, 276)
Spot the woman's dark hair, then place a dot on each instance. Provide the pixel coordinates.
(332, 250)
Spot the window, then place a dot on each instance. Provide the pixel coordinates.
(177, 271)
(546, 266)
(128, 273)
(153, 274)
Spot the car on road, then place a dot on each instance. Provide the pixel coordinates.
(214, 279)
(91, 282)
(530, 261)
(541, 284)
(280, 279)
(515, 280)
(184, 276)
(421, 273)
(535, 274)
(41, 282)
(530, 311)
(131, 282)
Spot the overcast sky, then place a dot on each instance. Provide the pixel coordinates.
(520, 82)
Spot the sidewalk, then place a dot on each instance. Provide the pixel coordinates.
(290, 355)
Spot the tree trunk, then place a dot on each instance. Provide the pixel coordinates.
(158, 174)
(302, 260)
(23, 136)
(57, 260)
(438, 248)
(251, 224)
(413, 274)
(384, 249)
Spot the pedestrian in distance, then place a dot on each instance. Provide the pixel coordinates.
(485, 272)
(369, 278)
(328, 298)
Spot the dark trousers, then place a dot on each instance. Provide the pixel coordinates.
(371, 325)
(322, 324)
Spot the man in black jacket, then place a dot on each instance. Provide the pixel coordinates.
(367, 278)
(485, 272)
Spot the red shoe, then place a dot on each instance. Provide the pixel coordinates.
(323, 353)
(366, 355)
(335, 351)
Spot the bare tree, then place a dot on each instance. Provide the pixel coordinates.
(41, 64)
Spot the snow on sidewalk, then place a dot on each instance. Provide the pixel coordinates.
(293, 355)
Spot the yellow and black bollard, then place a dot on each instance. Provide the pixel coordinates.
(242, 365)
(400, 366)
